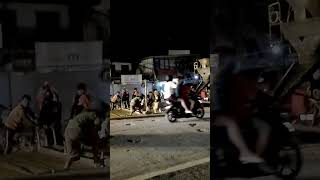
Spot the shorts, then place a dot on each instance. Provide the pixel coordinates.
(72, 143)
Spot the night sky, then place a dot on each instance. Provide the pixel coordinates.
(140, 28)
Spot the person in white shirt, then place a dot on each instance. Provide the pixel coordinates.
(170, 93)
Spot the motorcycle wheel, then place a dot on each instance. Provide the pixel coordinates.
(171, 116)
(290, 162)
(200, 113)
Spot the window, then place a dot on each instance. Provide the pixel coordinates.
(156, 64)
(172, 64)
(125, 69)
(166, 64)
(48, 23)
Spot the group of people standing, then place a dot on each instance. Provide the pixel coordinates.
(121, 100)
(87, 123)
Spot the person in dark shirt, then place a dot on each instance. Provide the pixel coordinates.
(125, 98)
(135, 93)
(81, 100)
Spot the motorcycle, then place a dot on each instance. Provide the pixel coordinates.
(174, 110)
(283, 153)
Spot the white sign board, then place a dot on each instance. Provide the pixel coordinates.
(131, 79)
(66, 54)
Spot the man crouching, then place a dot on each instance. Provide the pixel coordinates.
(82, 129)
(20, 119)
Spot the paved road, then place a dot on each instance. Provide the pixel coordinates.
(145, 145)
(310, 170)
(45, 162)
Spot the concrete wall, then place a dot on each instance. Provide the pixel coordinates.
(4, 90)
(64, 82)
(103, 6)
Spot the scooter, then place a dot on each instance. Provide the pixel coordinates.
(174, 110)
(283, 153)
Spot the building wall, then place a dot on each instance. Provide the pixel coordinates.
(64, 82)
(26, 13)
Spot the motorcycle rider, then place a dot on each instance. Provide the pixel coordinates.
(173, 92)
(221, 108)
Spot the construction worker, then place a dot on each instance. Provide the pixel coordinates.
(20, 119)
(82, 129)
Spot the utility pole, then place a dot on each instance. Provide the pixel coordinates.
(145, 94)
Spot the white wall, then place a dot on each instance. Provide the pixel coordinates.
(26, 13)
(52, 54)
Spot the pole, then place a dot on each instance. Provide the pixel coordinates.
(145, 93)
(10, 89)
(121, 93)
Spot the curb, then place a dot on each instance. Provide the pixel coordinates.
(172, 169)
(136, 117)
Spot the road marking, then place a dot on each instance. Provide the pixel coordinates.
(172, 169)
